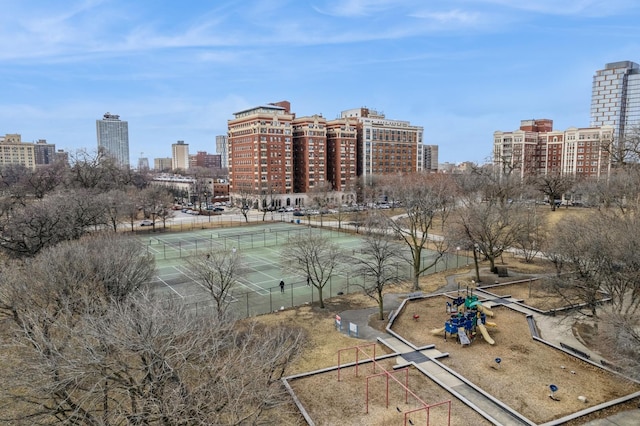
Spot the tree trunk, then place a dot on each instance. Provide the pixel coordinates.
(320, 297)
(380, 304)
(475, 262)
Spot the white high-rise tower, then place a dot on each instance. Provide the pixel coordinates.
(113, 137)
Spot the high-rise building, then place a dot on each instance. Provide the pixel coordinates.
(14, 151)
(180, 156)
(615, 98)
(45, 152)
(430, 158)
(113, 137)
(162, 164)
(342, 155)
(537, 149)
(260, 147)
(222, 148)
(143, 163)
(386, 146)
(309, 153)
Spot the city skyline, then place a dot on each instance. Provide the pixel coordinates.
(459, 69)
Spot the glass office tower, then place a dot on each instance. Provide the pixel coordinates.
(113, 137)
(615, 98)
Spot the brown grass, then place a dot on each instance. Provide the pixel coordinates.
(330, 402)
(540, 294)
(527, 369)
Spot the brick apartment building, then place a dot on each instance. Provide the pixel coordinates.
(536, 149)
(342, 155)
(272, 152)
(260, 150)
(386, 146)
(309, 153)
(205, 160)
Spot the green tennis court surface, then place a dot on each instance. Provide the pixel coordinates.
(260, 246)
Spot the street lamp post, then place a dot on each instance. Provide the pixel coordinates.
(457, 256)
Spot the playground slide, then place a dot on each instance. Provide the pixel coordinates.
(437, 330)
(490, 324)
(483, 309)
(485, 334)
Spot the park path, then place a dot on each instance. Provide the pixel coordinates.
(426, 361)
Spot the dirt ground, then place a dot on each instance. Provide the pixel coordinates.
(330, 402)
(527, 367)
(538, 294)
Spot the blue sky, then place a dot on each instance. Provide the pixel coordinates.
(178, 70)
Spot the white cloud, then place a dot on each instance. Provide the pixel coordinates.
(356, 8)
(454, 16)
(591, 8)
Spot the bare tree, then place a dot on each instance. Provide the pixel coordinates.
(531, 234)
(377, 263)
(553, 186)
(80, 355)
(320, 198)
(244, 199)
(619, 341)
(501, 187)
(571, 250)
(114, 202)
(156, 204)
(219, 271)
(146, 362)
(423, 198)
(625, 151)
(314, 256)
(45, 179)
(341, 214)
(45, 222)
(266, 199)
(94, 171)
(490, 227)
(621, 190)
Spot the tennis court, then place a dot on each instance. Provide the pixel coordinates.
(260, 246)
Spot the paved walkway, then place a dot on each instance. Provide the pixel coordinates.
(555, 330)
(425, 360)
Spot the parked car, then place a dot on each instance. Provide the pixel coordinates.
(146, 222)
(298, 213)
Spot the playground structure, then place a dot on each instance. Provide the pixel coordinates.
(419, 406)
(467, 317)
